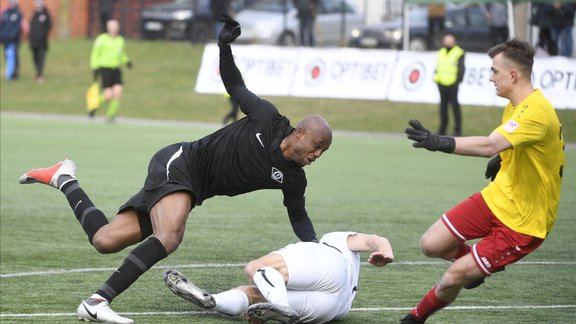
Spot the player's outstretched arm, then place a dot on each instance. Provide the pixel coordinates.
(229, 72)
(486, 146)
(380, 247)
(428, 140)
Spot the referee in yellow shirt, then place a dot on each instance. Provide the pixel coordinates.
(514, 214)
(107, 57)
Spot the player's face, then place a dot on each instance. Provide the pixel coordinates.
(310, 145)
(113, 28)
(501, 76)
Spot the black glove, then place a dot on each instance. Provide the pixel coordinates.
(493, 167)
(230, 31)
(95, 74)
(129, 65)
(428, 140)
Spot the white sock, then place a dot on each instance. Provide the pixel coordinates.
(231, 302)
(96, 296)
(271, 284)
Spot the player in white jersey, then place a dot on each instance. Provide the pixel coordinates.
(304, 282)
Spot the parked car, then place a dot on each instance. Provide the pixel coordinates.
(467, 23)
(275, 22)
(181, 19)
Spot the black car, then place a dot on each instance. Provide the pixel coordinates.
(467, 23)
(181, 20)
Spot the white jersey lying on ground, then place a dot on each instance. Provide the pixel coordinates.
(323, 277)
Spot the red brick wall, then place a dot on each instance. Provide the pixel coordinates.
(80, 18)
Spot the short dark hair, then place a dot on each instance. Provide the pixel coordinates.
(519, 52)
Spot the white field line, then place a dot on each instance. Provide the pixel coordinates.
(372, 309)
(239, 265)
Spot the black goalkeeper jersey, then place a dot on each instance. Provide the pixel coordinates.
(246, 156)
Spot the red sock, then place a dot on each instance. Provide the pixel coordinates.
(463, 249)
(428, 305)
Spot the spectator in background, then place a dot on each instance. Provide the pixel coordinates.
(561, 24)
(448, 75)
(106, 10)
(40, 26)
(436, 17)
(10, 33)
(497, 15)
(106, 59)
(307, 10)
(219, 7)
(232, 115)
(541, 19)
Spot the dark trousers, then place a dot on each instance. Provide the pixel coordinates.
(39, 54)
(307, 30)
(449, 96)
(499, 34)
(435, 31)
(232, 116)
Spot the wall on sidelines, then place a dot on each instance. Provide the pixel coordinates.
(374, 75)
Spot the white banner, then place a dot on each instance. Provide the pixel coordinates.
(266, 70)
(556, 76)
(343, 73)
(374, 75)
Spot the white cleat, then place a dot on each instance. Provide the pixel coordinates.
(263, 312)
(179, 285)
(98, 310)
(49, 176)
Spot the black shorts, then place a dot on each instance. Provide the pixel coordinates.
(110, 77)
(167, 173)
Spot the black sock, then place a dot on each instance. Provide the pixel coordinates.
(142, 258)
(90, 217)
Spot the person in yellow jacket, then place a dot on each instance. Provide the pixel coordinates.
(515, 212)
(449, 74)
(107, 57)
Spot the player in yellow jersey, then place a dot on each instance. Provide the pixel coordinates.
(106, 59)
(514, 214)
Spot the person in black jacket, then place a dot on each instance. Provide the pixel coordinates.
(40, 26)
(219, 7)
(260, 151)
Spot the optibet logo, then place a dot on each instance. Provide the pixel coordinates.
(277, 175)
(414, 76)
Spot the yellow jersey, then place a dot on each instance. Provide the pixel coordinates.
(108, 52)
(526, 192)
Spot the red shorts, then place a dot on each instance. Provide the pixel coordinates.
(500, 246)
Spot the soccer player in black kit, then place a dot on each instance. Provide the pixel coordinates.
(260, 151)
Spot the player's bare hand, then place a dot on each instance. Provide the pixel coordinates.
(380, 259)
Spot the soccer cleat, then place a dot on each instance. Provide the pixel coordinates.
(179, 285)
(50, 175)
(410, 319)
(263, 312)
(98, 310)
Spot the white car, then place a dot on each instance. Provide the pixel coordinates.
(275, 22)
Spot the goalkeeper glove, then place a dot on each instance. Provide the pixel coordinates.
(230, 31)
(428, 140)
(493, 167)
